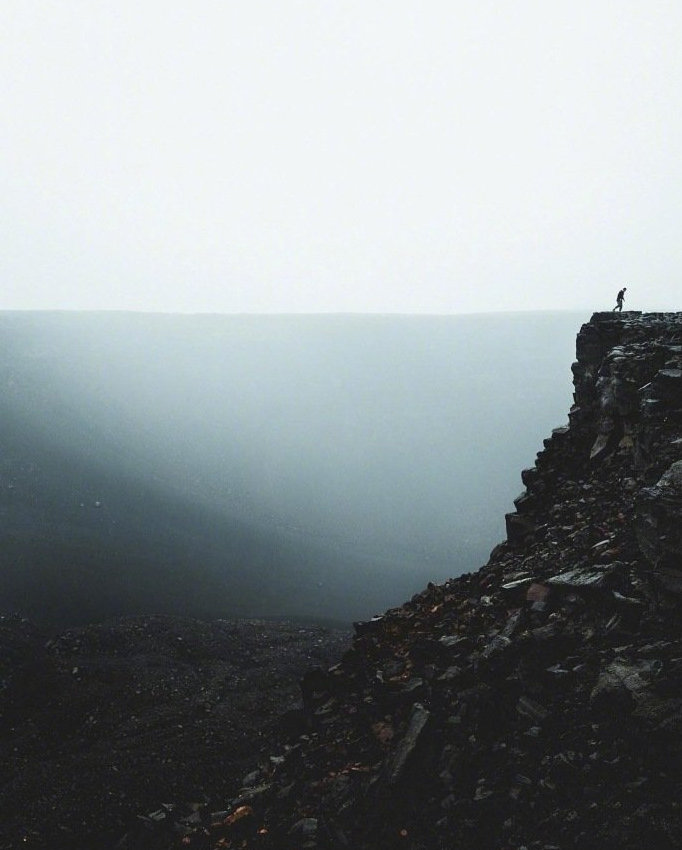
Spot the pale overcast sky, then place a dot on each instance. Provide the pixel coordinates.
(340, 155)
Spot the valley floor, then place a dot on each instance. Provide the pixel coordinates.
(102, 725)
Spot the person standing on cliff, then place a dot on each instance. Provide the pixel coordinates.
(619, 300)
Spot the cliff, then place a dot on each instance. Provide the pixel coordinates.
(535, 703)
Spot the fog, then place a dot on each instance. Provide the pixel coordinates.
(365, 155)
(314, 466)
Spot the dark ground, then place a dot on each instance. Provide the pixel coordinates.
(102, 725)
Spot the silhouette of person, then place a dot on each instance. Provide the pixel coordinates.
(619, 300)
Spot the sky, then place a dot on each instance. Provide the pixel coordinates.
(340, 155)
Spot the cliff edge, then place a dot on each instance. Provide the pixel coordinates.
(536, 703)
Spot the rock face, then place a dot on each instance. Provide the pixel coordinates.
(659, 518)
(536, 703)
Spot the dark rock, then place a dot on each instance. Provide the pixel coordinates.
(519, 528)
(368, 627)
(621, 684)
(583, 577)
(659, 525)
(517, 583)
(531, 709)
(398, 759)
(450, 641)
(305, 827)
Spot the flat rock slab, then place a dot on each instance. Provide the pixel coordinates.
(582, 577)
(395, 763)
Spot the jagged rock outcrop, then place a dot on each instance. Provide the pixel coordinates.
(536, 703)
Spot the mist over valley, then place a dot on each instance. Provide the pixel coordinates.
(317, 466)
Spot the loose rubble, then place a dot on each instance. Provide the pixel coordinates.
(132, 725)
(533, 704)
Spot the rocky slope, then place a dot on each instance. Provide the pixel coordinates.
(536, 703)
